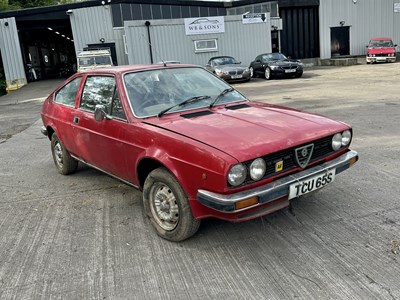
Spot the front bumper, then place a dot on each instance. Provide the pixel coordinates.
(374, 59)
(244, 77)
(275, 190)
(43, 130)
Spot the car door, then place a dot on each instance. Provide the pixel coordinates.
(257, 66)
(102, 143)
(63, 111)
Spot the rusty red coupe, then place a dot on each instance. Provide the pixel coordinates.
(196, 146)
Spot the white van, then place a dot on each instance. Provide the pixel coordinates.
(93, 59)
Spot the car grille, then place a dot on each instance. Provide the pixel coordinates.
(289, 67)
(381, 55)
(237, 72)
(322, 148)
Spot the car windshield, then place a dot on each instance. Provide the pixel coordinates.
(224, 61)
(273, 56)
(381, 44)
(151, 92)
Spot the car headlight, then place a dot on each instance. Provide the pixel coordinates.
(346, 137)
(257, 169)
(237, 175)
(373, 55)
(337, 141)
(274, 67)
(247, 70)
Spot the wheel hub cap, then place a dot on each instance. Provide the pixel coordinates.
(164, 207)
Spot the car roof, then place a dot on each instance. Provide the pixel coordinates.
(381, 39)
(133, 68)
(221, 56)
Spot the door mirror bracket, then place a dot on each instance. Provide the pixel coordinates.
(100, 113)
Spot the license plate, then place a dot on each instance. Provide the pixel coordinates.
(236, 76)
(290, 71)
(311, 184)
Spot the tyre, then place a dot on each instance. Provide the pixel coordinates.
(298, 75)
(167, 206)
(251, 72)
(64, 162)
(267, 74)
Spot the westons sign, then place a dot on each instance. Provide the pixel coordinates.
(204, 25)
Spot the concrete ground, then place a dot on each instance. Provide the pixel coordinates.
(84, 236)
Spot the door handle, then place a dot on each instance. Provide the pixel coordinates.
(76, 120)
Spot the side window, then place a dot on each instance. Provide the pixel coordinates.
(67, 94)
(98, 90)
(116, 107)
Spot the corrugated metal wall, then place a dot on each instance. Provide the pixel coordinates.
(169, 41)
(366, 18)
(91, 24)
(11, 52)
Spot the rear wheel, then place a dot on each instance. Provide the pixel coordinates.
(64, 162)
(267, 73)
(167, 206)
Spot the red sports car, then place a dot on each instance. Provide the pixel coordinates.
(196, 146)
(381, 50)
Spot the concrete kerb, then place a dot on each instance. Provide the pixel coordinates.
(32, 92)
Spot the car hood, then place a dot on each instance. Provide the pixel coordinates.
(381, 50)
(230, 67)
(282, 63)
(249, 130)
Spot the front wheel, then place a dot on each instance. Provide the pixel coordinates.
(251, 72)
(64, 162)
(167, 206)
(268, 75)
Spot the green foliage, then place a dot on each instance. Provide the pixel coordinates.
(21, 4)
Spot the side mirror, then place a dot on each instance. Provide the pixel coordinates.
(100, 113)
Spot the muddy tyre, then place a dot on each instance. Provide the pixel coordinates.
(167, 206)
(64, 162)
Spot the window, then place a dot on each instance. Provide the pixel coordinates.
(102, 90)
(67, 94)
(205, 45)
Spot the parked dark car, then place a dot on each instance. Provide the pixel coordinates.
(228, 68)
(270, 65)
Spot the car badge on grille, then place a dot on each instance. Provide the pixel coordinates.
(303, 155)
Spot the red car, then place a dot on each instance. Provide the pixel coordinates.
(196, 147)
(381, 50)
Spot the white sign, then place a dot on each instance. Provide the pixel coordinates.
(397, 7)
(254, 18)
(204, 25)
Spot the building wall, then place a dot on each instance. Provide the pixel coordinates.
(169, 41)
(11, 54)
(366, 18)
(91, 24)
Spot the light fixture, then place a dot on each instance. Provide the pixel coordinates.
(342, 23)
(354, 1)
(56, 32)
(49, 28)
(69, 12)
(102, 40)
(6, 23)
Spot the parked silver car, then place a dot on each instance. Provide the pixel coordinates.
(228, 68)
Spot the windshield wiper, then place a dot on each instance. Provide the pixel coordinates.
(228, 90)
(187, 101)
